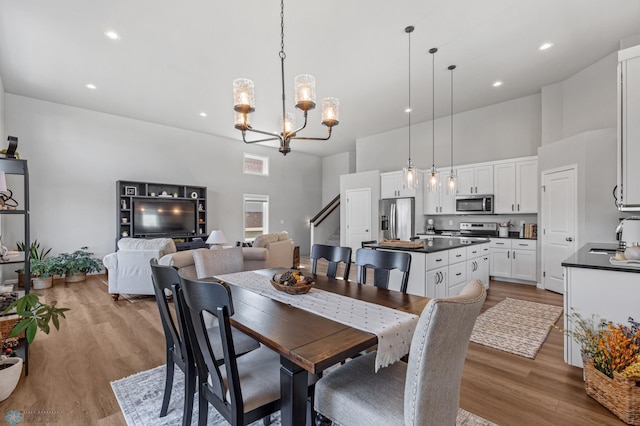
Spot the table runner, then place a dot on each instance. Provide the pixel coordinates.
(393, 328)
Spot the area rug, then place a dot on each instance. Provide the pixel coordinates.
(516, 326)
(140, 398)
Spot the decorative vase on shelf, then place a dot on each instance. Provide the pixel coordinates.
(9, 376)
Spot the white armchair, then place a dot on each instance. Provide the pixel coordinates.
(129, 268)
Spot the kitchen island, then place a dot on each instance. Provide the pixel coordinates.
(444, 265)
(593, 286)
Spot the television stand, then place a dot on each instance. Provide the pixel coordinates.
(190, 245)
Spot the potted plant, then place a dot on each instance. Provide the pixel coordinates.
(35, 253)
(42, 272)
(33, 316)
(78, 264)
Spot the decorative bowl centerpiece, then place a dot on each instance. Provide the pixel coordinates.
(292, 282)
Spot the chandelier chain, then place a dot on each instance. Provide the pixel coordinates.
(282, 54)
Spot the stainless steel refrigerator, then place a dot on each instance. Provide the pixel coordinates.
(397, 219)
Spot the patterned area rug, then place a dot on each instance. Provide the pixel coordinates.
(140, 398)
(516, 326)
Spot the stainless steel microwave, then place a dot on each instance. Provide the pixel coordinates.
(474, 204)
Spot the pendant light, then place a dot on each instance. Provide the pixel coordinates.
(433, 182)
(409, 172)
(453, 178)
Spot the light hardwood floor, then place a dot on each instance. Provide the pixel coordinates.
(102, 340)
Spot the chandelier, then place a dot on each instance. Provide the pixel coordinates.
(305, 96)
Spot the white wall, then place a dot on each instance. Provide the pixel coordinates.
(594, 152)
(76, 156)
(334, 166)
(2, 134)
(496, 132)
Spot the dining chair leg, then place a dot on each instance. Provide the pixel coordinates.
(189, 392)
(203, 407)
(266, 421)
(168, 385)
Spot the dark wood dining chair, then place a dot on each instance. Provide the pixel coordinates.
(382, 262)
(178, 347)
(423, 391)
(243, 389)
(333, 255)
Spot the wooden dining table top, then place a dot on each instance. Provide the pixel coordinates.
(309, 340)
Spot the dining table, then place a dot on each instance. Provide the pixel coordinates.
(306, 342)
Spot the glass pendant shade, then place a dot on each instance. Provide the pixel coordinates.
(330, 112)
(433, 183)
(289, 123)
(305, 92)
(452, 182)
(409, 176)
(244, 97)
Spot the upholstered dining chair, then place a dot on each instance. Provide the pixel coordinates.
(178, 348)
(244, 389)
(382, 262)
(333, 255)
(424, 391)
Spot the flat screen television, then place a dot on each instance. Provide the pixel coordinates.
(166, 217)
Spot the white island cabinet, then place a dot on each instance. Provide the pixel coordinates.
(595, 288)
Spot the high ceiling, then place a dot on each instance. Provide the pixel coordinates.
(175, 59)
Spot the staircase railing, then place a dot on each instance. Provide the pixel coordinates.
(320, 217)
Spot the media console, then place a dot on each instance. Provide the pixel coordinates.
(162, 210)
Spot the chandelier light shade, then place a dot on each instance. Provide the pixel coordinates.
(409, 172)
(452, 180)
(305, 98)
(434, 181)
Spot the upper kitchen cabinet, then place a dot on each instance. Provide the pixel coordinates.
(629, 129)
(391, 186)
(516, 186)
(475, 180)
(438, 202)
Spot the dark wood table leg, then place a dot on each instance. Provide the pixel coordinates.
(293, 391)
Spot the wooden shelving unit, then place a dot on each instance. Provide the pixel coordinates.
(127, 192)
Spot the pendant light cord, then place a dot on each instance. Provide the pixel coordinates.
(452, 67)
(409, 30)
(433, 106)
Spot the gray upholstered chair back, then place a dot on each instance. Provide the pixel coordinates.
(436, 358)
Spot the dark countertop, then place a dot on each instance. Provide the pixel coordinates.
(436, 244)
(512, 235)
(584, 259)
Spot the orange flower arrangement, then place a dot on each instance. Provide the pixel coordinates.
(610, 347)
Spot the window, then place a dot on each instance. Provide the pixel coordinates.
(256, 216)
(255, 165)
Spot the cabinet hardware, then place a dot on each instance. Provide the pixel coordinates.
(458, 255)
(458, 274)
(511, 207)
(514, 254)
(508, 254)
(438, 260)
(569, 239)
(518, 206)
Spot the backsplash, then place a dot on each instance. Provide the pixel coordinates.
(452, 222)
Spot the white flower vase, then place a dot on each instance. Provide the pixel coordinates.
(9, 377)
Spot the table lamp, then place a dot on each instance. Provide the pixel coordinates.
(216, 239)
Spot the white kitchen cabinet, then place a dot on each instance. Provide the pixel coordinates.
(513, 258)
(438, 202)
(416, 283)
(515, 187)
(477, 263)
(437, 282)
(629, 129)
(475, 180)
(457, 277)
(391, 186)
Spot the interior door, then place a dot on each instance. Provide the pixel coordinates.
(559, 231)
(358, 217)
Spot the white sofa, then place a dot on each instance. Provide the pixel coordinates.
(130, 273)
(128, 268)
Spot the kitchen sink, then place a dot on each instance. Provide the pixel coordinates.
(607, 251)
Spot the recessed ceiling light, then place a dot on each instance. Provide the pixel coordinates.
(407, 110)
(497, 84)
(112, 35)
(203, 114)
(545, 46)
(91, 86)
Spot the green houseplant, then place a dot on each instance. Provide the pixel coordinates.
(78, 264)
(43, 270)
(35, 253)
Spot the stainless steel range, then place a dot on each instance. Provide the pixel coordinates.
(478, 229)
